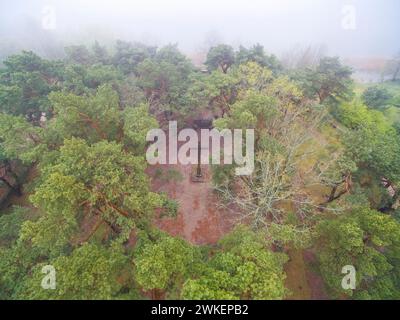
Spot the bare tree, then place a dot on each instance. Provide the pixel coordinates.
(303, 56)
(280, 184)
(392, 67)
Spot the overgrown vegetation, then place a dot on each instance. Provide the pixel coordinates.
(326, 178)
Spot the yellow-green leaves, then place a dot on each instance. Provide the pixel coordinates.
(137, 122)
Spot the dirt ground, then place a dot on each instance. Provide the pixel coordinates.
(302, 281)
(199, 220)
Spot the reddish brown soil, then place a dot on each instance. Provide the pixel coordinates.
(315, 281)
(296, 276)
(199, 220)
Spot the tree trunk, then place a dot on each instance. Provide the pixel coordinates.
(396, 72)
(16, 189)
(7, 171)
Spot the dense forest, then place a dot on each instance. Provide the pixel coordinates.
(77, 193)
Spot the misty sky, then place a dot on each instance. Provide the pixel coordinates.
(276, 24)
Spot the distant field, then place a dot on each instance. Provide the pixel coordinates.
(392, 113)
(392, 86)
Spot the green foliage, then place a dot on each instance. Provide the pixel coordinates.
(15, 263)
(368, 240)
(372, 142)
(100, 179)
(164, 78)
(256, 54)
(19, 139)
(242, 268)
(221, 56)
(25, 82)
(10, 224)
(94, 215)
(273, 113)
(89, 273)
(98, 75)
(100, 54)
(92, 117)
(251, 75)
(137, 123)
(330, 81)
(78, 54)
(252, 112)
(376, 97)
(289, 234)
(217, 89)
(128, 56)
(164, 263)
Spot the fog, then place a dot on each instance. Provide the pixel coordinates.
(349, 28)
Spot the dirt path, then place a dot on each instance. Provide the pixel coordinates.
(296, 274)
(315, 281)
(303, 282)
(199, 220)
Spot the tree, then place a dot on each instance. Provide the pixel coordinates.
(220, 56)
(251, 75)
(16, 262)
(92, 117)
(392, 67)
(19, 138)
(137, 124)
(100, 54)
(372, 141)
(98, 75)
(217, 90)
(129, 55)
(276, 182)
(369, 241)
(79, 54)
(243, 267)
(301, 57)
(100, 181)
(10, 224)
(25, 83)
(89, 273)
(373, 144)
(81, 79)
(330, 80)
(256, 54)
(164, 79)
(164, 264)
(377, 98)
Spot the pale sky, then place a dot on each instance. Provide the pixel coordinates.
(276, 24)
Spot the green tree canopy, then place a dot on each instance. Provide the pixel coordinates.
(330, 80)
(243, 267)
(100, 180)
(221, 56)
(369, 241)
(89, 273)
(376, 97)
(164, 264)
(25, 82)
